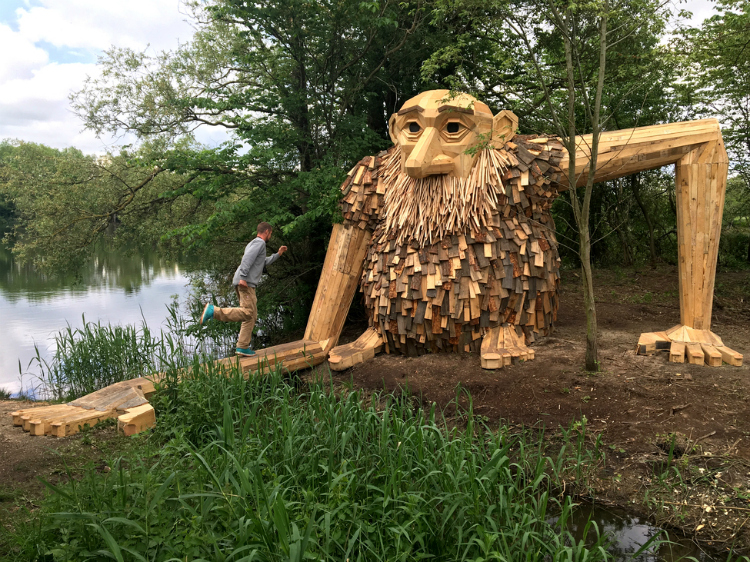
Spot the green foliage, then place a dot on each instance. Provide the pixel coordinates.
(95, 356)
(254, 469)
(305, 89)
(65, 203)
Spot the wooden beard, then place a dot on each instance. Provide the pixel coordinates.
(451, 258)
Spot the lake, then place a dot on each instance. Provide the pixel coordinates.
(109, 288)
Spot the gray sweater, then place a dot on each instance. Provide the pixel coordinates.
(251, 267)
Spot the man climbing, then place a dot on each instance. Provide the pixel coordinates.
(246, 278)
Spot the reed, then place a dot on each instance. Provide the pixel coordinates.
(97, 355)
(93, 357)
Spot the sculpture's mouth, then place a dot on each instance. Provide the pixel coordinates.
(426, 208)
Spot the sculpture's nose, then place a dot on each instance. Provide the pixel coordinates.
(427, 158)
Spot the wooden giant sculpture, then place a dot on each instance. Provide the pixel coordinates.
(450, 237)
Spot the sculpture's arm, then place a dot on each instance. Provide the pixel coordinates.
(338, 283)
(697, 151)
(628, 151)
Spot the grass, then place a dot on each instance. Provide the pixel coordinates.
(270, 468)
(95, 356)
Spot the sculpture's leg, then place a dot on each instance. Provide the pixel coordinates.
(501, 345)
(701, 177)
(362, 349)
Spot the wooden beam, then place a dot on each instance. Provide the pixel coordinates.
(677, 352)
(627, 151)
(338, 282)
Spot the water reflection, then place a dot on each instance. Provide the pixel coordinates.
(110, 287)
(628, 534)
(106, 270)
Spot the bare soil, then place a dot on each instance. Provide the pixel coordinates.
(652, 416)
(25, 461)
(676, 436)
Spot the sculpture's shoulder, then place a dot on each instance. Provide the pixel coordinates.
(362, 191)
(535, 160)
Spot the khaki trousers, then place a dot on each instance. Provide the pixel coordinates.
(247, 313)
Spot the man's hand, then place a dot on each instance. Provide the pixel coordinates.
(242, 283)
(282, 250)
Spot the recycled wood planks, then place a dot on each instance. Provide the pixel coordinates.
(699, 347)
(501, 345)
(291, 357)
(128, 400)
(362, 349)
(452, 258)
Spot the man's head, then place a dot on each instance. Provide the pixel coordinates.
(264, 231)
(435, 129)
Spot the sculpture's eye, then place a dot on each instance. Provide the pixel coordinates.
(414, 127)
(453, 127)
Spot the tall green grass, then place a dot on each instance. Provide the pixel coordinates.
(95, 356)
(268, 468)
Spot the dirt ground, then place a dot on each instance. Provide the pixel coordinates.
(676, 436)
(641, 407)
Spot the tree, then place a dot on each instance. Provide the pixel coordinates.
(65, 203)
(716, 62)
(303, 88)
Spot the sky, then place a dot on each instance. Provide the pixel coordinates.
(49, 47)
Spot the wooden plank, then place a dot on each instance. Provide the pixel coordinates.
(647, 344)
(362, 349)
(694, 353)
(730, 356)
(677, 352)
(135, 420)
(712, 355)
(492, 361)
(72, 424)
(662, 341)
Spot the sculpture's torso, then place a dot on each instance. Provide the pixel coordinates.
(441, 271)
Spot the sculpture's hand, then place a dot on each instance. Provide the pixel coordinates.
(282, 250)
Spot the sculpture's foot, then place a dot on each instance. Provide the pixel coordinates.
(501, 345)
(699, 346)
(125, 401)
(362, 349)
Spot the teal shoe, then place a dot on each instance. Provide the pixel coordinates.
(247, 352)
(208, 314)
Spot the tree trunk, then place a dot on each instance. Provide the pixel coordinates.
(635, 185)
(589, 302)
(627, 254)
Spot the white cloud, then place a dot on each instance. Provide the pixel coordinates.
(97, 24)
(20, 55)
(36, 72)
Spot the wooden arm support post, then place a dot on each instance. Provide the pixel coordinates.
(338, 283)
(697, 151)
